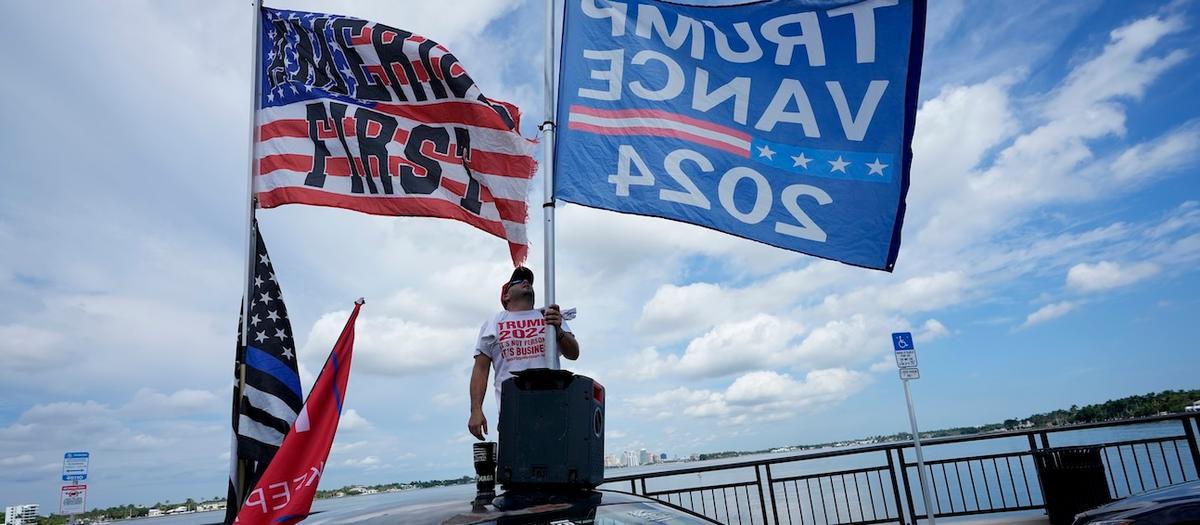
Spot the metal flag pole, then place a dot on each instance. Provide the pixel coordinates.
(256, 38)
(547, 128)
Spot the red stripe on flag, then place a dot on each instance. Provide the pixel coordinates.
(291, 128)
(377, 205)
(334, 166)
(658, 114)
(454, 186)
(491, 163)
(659, 132)
(503, 164)
(450, 112)
(519, 252)
(272, 163)
(512, 210)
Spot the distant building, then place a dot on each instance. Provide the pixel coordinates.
(643, 457)
(630, 458)
(21, 515)
(154, 513)
(612, 460)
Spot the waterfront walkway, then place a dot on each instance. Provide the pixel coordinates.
(995, 478)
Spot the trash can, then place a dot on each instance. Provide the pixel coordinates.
(1073, 481)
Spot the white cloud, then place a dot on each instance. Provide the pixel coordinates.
(1172, 151)
(931, 331)
(1048, 312)
(1106, 275)
(27, 348)
(1121, 70)
(342, 448)
(1086, 107)
(390, 345)
(351, 421)
(14, 461)
(760, 395)
(744, 345)
(367, 461)
(148, 402)
(841, 342)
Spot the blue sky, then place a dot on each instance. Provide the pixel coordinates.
(1048, 259)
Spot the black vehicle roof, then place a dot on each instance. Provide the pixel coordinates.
(454, 509)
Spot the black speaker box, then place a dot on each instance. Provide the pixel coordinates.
(551, 430)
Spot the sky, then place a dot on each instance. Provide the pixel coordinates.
(1049, 253)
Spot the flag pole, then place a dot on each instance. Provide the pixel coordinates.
(548, 171)
(256, 39)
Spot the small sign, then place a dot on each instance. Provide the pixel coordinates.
(72, 499)
(910, 373)
(75, 466)
(902, 341)
(906, 359)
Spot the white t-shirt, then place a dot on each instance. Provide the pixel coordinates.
(514, 341)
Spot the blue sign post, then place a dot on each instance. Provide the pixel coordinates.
(906, 361)
(75, 466)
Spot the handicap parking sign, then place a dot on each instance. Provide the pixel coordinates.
(902, 341)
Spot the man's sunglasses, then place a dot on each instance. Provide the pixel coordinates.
(518, 281)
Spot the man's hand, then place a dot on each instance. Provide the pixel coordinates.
(477, 425)
(553, 316)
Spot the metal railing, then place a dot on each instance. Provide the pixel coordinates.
(968, 475)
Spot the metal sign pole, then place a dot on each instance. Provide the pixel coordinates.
(912, 419)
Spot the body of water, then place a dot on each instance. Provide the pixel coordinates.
(1158, 461)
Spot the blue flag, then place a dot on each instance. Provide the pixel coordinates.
(785, 122)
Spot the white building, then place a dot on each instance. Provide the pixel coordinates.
(21, 515)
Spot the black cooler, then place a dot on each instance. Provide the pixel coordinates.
(551, 430)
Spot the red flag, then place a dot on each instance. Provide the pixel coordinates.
(284, 493)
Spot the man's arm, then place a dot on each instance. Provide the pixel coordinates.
(567, 345)
(477, 424)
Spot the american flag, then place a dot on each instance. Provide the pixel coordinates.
(359, 115)
(265, 407)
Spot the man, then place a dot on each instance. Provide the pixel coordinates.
(514, 340)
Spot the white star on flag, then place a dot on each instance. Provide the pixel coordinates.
(266, 298)
(273, 315)
(279, 333)
(876, 167)
(765, 151)
(801, 161)
(254, 320)
(263, 259)
(839, 164)
(260, 337)
(287, 353)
